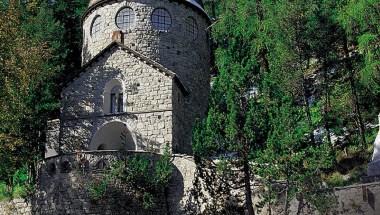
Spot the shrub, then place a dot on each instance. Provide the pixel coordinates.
(163, 170)
(97, 189)
(336, 180)
(148, 201)
(21, 176)
(19, 191)
(143, 175)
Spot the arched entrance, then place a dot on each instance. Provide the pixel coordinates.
(113, 136)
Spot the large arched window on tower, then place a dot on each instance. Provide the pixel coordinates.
(191, 28)
(125, 19)
(161, 19)
(96, 27)
(113, 97)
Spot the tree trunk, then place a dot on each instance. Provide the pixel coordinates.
(264, 63)
(307, 110)
(247, 186)
(326, 107)
(354, 94)
(300, 204)
(287, 191)
(270, 198)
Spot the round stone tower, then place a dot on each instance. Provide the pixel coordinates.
(173, 33)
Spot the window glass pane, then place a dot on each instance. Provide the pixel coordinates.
(125, 19)
(120, 103)
(191, 28)
(161, 19)
(113, 103)
(96, 27)
(116, 89)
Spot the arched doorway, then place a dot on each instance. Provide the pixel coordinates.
(113, 136)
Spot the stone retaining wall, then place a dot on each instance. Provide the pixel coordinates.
(64, 181)
(15, 207)
(359, 199)
(62, 189)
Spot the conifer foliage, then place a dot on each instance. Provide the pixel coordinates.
(288, 102)
(38, 47)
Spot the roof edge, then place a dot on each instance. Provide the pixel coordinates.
(101, 2)
(140, 57)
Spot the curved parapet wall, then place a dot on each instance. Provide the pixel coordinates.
(63, 186)
(63, 182)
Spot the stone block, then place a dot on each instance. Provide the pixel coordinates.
(374, 168)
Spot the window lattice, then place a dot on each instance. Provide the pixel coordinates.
(161, 19)
(96, 27)
(116, 105)
(191, 27)
(125, 19)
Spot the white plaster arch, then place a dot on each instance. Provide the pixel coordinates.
(108, 137)
(107, 94)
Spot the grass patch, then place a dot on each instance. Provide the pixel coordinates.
(336, 179)
(4, 194)
(18, 191)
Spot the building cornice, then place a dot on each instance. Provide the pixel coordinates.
(187, 3)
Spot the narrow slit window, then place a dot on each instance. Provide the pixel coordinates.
(113, 103)
(120, 103)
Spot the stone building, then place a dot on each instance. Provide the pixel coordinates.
(144, 79)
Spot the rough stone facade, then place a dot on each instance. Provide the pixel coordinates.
(359, 199)
(148, 103)
(163, 80)
(63, 187)
(16, 207)
(164, 76)
(175, 49)
(63, 182)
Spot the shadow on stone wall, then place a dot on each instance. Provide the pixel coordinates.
(63, 187)
(83, 109)
(175, 193)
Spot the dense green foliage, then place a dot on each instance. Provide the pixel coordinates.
(296, 90)
(290, 99)
(144, 177)
(39, 50)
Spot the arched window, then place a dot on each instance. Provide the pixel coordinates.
(96, 27)
(113, 97)
(125, 19)
(161, 19)
(191, 28)
(116, 104)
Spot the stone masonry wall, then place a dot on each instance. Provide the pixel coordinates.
(64, 181)
(359, 199)
(16, 207)
(52, 138)
(148, 103)
(175, 49)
